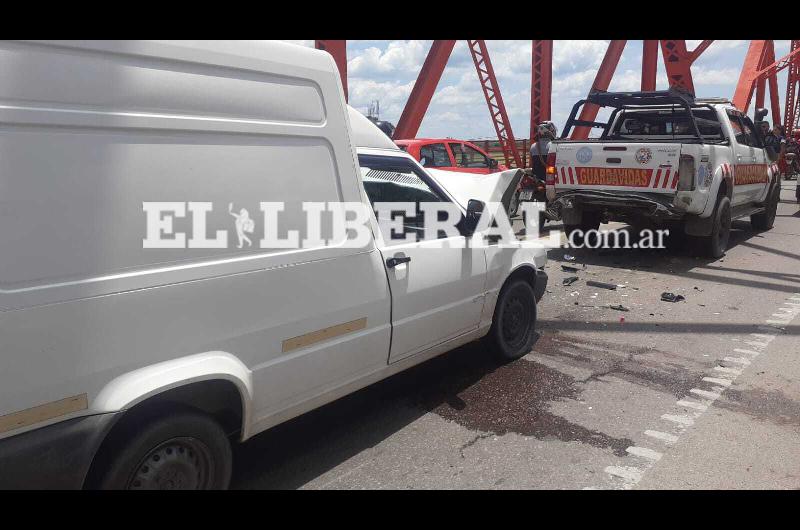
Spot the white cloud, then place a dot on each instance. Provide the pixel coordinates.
(405, 57)
(715, 76)
(718, 47)
(574, 54)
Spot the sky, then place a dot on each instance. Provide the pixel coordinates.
(386, 71)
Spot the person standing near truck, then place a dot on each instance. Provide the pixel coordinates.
(773, 138)
(545, 133)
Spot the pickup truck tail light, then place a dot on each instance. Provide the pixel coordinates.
(550, 173)
(686, 173)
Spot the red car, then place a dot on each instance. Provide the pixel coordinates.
(450, 155)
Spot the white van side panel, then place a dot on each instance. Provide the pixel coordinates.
(88, 131)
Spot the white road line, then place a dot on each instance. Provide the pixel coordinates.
(705, 393)
(644, 452)
(683, 420)
(591, 347)
(734, 371)
(739, 360)
(718, 381)
(630, 474)
(692, 404)
(570, 352)
(663, 436)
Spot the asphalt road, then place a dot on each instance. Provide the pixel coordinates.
(703, 393)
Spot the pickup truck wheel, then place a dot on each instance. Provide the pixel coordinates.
(589, 221)
(512, 333)
(766, 219)
(187, 450)
(716, 244)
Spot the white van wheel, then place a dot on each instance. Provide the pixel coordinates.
(187, 450)
(513, 327)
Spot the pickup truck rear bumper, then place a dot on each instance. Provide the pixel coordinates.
(57, 456)
(655, 205)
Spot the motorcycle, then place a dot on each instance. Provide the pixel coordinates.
(531, 189)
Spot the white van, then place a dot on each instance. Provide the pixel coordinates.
(132, 349)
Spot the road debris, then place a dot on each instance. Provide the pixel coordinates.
(567, 268)
(619, 307)
(672, 297)
(569, 257)
(602, 285)
(569, 280)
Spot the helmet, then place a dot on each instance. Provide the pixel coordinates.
(547, 129)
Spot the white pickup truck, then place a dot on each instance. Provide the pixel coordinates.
(666, 158)
(137, 338)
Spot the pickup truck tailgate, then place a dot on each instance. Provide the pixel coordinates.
(617, 166)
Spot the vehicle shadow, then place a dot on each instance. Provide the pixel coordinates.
(304, 448)
(679, 256)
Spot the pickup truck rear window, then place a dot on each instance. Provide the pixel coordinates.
(664, 124)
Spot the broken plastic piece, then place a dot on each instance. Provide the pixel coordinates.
(619, 307)
(609, 286)
(569, 280)
(567, 268)
(672, 297)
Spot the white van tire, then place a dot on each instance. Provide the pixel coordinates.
(513, 327)
(184, 450)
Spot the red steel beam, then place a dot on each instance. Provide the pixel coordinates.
(649, 64)
(773, 86)
(494, 100)
(601, 82)
(793, 79)
(541, 83)
(338, 49)
(703, 46)
(747, 78)
(773, 67)
(678, 63)
(424, 87)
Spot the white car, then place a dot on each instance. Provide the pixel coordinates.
(143, 327)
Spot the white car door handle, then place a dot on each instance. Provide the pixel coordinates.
(394, 262)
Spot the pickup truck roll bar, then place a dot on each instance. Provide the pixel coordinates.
(622, 100)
